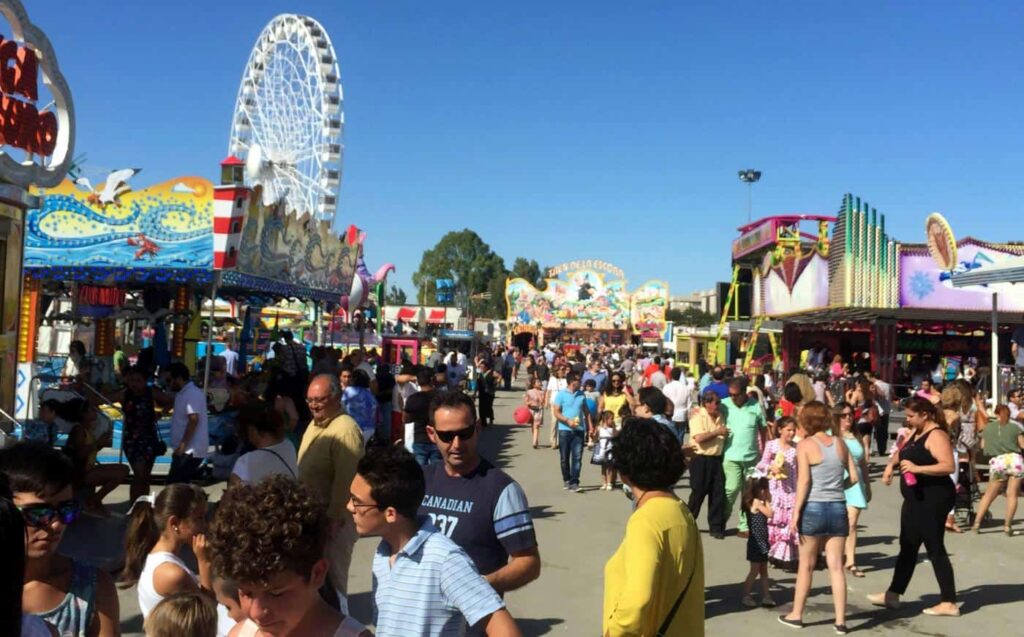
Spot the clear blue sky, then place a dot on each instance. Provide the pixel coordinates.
(611, 130)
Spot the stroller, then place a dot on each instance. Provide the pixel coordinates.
(963, 504)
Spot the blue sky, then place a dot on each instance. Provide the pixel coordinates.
(608, 130)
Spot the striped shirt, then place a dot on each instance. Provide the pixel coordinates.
(432, 590)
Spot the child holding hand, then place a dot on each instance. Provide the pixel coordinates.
(758, 509)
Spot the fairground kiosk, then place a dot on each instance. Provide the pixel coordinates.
(144, 262)
(849, 288)
(582, 303)
(37, 132)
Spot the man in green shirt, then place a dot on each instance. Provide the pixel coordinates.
(745, 421)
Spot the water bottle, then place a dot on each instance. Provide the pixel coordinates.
(910, 479)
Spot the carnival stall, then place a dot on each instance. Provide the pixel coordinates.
(582, 305)
(848, 287)
(169, 246)
(37, 135)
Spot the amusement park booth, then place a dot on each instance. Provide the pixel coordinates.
(37, 139)
(143, 263)
(585, 302)
(845, 286)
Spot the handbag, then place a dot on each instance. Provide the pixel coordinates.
(672, 612)
(602, 452)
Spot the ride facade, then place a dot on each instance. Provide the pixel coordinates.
(843, 284)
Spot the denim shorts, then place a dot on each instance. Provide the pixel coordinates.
(824, 519)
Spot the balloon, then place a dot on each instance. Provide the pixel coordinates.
(522, 415)
(357, 294)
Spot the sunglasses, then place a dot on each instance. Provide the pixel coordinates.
(710, 401)
(41, 516)
(846, 415)
(462, 434)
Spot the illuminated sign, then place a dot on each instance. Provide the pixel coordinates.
(586, 264)
(43, 136)
(754, 239)
(941, 242)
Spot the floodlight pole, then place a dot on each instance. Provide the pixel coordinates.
(749, 176)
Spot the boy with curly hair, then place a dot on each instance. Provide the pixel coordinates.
(270, 539)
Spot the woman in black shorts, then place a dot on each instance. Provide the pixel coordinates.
(139, 437)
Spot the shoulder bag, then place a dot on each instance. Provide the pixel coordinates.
(672, 613)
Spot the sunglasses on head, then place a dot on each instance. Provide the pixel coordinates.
(462, 434)
(43, 515)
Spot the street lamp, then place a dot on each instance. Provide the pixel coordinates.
(749, 176)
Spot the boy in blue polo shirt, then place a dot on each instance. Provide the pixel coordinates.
(423, 583)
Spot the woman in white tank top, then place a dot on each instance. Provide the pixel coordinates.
(159, 529)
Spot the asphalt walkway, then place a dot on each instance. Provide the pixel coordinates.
(579, 532)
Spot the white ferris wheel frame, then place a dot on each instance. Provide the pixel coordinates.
(289, 117)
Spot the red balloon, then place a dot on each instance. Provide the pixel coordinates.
(522, 415)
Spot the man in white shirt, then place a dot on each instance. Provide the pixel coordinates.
(230, 357)
(883, 398)
(679, 393)
(190, 434)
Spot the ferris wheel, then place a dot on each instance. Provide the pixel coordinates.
(288, 117)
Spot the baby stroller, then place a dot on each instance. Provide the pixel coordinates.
(963, 504)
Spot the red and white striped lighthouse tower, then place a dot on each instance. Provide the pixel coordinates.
(229, 203)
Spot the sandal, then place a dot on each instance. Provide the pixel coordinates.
(853, 570)
(1009, 531)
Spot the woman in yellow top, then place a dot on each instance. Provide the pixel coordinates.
(654, 583)
(614, 396)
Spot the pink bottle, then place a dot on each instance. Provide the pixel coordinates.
(910, 479)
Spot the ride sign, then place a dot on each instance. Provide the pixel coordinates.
(21, 124)
(45, 135)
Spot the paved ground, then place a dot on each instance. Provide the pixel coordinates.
(578, 532)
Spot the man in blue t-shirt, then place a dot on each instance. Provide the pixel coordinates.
(718, 384)
(478, 506)
(573, 417)
(596, 374)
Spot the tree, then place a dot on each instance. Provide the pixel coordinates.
(529, 270)
(395, 296)
(470, 263)
(691, 317)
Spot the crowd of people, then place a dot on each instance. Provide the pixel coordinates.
(396, 456)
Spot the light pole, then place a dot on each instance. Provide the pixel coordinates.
(749, 176)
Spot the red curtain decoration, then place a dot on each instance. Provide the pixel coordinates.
(96, 295)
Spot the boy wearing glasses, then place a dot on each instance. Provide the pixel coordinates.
(77, 599)
(423, 583)
(707, 478)
(478, 506)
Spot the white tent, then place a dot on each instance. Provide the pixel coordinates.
(998, 274)
(1006, 271)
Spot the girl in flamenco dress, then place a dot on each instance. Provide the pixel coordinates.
(778, 463)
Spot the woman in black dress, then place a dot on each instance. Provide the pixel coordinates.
(926, 462)
(139, 438)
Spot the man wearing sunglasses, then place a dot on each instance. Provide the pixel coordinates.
(478, 506)
(77, 599)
